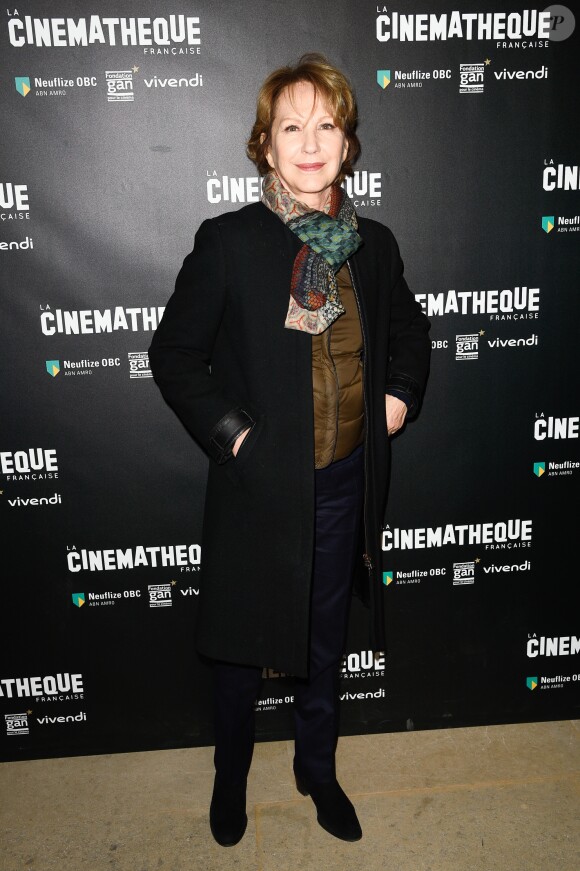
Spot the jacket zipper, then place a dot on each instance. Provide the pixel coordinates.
(329, 348)
(366, 556)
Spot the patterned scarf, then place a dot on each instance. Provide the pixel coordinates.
(329, 238)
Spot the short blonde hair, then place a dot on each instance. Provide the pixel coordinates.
(329, 83)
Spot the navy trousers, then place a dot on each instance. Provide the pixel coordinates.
(339, 503)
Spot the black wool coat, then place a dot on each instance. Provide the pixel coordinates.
(222, 345)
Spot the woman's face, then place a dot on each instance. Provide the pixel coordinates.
(307, 149)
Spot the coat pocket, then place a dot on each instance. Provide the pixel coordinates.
(238, 463)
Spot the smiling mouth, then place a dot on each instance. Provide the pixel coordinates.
(310, 167)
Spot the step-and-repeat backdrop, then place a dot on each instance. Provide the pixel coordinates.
(124, 126)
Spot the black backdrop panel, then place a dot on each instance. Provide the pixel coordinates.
(124, 127)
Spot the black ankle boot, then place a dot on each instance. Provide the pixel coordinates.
(227, 813)
(336, 813)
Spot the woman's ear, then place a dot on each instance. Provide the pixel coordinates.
(268, 155)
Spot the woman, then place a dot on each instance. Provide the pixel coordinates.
(290, 349)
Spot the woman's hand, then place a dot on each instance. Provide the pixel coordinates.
(396, 411)
(239, 440)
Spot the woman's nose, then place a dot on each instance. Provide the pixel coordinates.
(310, 141)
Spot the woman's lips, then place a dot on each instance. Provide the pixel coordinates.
(310, 167)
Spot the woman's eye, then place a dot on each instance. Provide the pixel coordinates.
(290, 128)
(328, 126)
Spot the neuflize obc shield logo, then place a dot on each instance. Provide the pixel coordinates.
(532, 682)
(78, 599)
(53, 367)
(22, 84)
(539, 469)
(548, 223)
(388, 578)
(383, 78)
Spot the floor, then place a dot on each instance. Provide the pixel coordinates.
(500, 798)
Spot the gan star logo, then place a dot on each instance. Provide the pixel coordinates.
(482, 332)
(487, 61)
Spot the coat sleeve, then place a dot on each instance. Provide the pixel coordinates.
(181, 349)
(409, 343)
